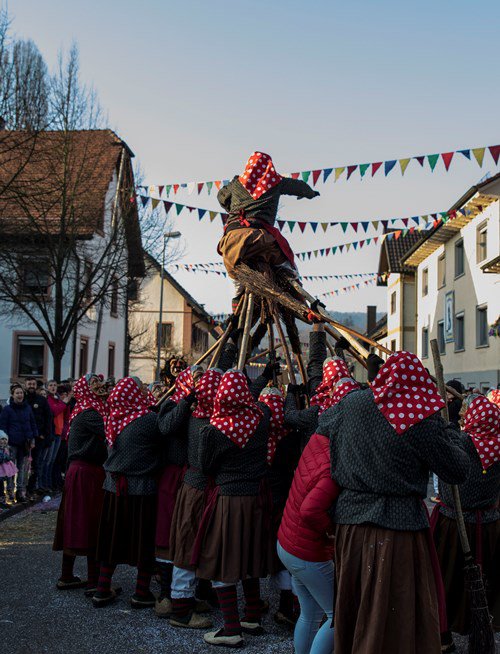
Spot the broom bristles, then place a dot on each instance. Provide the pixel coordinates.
(481, 637)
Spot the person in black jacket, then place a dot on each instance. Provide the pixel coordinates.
(81, 503)
(44, 423)
(233, 538)
(135, 435)
(251, 201)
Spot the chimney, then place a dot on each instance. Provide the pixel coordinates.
(371, 318)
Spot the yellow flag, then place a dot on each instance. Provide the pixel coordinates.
(479, 154)
(338, 172)
(213, 215)
(154, 202)
(325, 226)
(404, 164)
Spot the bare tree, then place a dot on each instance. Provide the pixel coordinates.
(65, 235)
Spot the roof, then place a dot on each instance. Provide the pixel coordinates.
(472, 203)
(379, 330)
(55, 183)
(197, 308)
(393, 251)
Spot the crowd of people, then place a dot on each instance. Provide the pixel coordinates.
(228, 481)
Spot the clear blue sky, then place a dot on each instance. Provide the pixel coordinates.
(195, 86)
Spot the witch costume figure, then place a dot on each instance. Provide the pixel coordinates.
(80, 509)
(251, 200)
(383, 441)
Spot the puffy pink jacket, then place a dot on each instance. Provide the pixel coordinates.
(305, 522)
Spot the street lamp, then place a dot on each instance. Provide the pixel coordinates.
(166, 236)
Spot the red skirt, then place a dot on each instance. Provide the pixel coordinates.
(80, 509)
(168, 489)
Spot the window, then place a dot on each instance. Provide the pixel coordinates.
(34, 277)
(459, 332)
(87, 281)
(114, 297)
(442, 271)
(425, 343)
(481, 242)
(482, 326)
(111, 359)
(393, 345)
(440, 337)
(84, 356)
(166, 334)
(30, 356)
(199, 339)
(393, 303)
(459, 258)
(425, 281)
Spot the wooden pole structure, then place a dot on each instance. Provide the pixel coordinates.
(260, 355)
(351, 351)
(225, 337)
(246, 331)
(286, 351)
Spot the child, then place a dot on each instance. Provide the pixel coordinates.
(8, 469)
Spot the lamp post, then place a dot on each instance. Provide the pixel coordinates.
(166, 236)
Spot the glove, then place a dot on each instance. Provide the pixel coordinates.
(342, 344)
(235, 335)
(373, 365)
(271, 368)
(316, 304)
(191, 398)
(296, 389)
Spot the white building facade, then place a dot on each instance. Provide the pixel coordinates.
(457, 293)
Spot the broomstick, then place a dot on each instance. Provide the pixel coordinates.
(481, 637)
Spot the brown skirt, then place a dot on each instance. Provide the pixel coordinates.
(80, 510)
(451, 559)
(185, 522)
(249, 245)
(127, 530)
(236, 544)
(386, 595)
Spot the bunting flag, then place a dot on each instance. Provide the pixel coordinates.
(283, 224)
(349, 171)
(214, 268)
(353, 287)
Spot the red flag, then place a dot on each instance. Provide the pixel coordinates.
(350, 170)
(176, 188)
(302, 226)
(200, 186)
(354, 226)
(447, 157)
(160, 190)
(495, 152)
(295, 175)
(375, 167)
(316, 174)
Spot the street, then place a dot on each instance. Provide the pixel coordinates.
(36, 618)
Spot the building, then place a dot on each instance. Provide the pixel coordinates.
(458, 288)
(70, 244)
(400, 308)
(187, 329)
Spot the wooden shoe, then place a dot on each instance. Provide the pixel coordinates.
(163, 608)
(70, 584)
(139, 602)
(99, 600)
(194, 622)
(253, 628)
(219, 639)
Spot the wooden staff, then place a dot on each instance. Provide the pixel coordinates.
(246, 331)
(286, 351)
(302, 369)
(351, 351)
(263, 354)
(225, 336)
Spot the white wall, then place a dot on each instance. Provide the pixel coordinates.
(474, 366)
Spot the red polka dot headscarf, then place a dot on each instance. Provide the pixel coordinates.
(206, 390)
(273, 398)
(259, 175)
(342, 388)
(184, 383)
(86, 399)
(126, 403)
(236, 413)
(482, 424)
(494, 396)
(334, 369)
(404, 391)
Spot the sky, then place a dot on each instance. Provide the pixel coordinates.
(194, 87)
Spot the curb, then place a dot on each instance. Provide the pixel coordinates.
(19, 508)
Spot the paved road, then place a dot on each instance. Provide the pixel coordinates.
(35, 618)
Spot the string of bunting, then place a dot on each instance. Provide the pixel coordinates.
(361, 225)
(354, 287)
(214, 268)
(347, 171)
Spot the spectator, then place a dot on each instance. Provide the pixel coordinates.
(8, 469)
(43, 419)
(66, 394)
(58, 408)
(18, 421)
